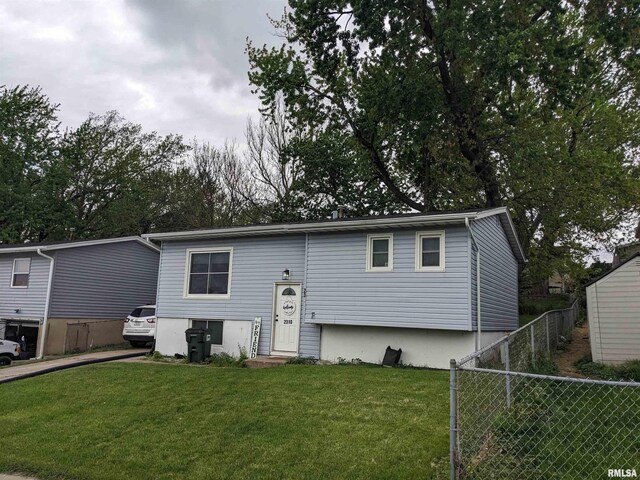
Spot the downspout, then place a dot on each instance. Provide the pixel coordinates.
(45, 319)
(477, 250)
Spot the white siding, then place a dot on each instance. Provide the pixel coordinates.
(613, 309)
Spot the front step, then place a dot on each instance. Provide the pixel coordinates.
(266, 362)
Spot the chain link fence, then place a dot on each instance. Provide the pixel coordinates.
(512, 417)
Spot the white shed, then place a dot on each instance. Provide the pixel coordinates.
(613, 310)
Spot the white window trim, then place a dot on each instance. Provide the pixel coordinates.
(429, 234)
(187, 273)
(377, 236)
(13, 273)
(209, 320)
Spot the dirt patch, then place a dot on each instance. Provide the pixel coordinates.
(14, 476)
(577, 350)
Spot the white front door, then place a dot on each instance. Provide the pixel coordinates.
(286, 320)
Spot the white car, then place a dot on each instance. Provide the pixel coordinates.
(9, 349)
(140, 326)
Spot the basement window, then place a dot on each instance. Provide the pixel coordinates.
(215, 326)
(380, 253)
(20, 274)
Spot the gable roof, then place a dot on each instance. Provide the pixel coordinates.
(354, 224)
(48, 246)
(606, 274)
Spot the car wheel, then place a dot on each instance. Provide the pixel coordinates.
(137, 344)
(4, 360)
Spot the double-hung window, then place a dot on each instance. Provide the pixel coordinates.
(430, 251)
(20, 274)
(380, 253)
(208, 273)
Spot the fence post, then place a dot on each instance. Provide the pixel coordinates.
(558, 331)
(507, 377)
(533, 345)
(453, 416)
(548, 344)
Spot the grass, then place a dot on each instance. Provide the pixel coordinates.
(155, 421)
(624, 372)
(532, 307)
(558, 430)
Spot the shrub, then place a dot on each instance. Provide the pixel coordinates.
(625, 372)
(539, 305)
(353, 361)
(543, 365)
(224, 360)
(299, 360)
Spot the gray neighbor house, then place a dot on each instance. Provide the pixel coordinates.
(78, 293)
(437, 285)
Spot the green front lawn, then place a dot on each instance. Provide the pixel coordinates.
(139, 420)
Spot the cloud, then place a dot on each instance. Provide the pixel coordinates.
(173, 66)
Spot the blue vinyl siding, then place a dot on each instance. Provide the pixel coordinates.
(498, 277)
(29, 300)
(340, 291)
(103, 281)
(257, 264)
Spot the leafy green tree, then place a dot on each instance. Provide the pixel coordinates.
(533, 105)
(28, 142)
(105, 181)
(302, 175)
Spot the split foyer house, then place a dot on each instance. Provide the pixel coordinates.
(77, 293)
(436, 285)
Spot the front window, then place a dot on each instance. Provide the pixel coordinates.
(215, 326)
(430, 252)
(20, 274)
(380, 253)
(209, 273)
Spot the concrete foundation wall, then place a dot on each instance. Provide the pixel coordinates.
(170, 338)
(420, 348)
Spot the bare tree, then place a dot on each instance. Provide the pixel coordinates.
(223, 187)
(272, 167)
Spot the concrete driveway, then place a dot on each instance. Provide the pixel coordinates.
(26, 370)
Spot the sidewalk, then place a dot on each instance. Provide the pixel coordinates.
(9, 374)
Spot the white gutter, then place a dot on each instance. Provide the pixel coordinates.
(45, 320)
(88, 243)
(477, 249)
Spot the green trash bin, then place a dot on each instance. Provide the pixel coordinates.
(198, 344)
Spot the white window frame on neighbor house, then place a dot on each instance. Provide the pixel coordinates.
(187, 274)
(14, 273)
(439, 234)
(370, 239)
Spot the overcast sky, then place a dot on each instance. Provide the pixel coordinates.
(174, 66)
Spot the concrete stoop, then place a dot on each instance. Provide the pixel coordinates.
(266, 362)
